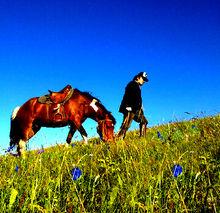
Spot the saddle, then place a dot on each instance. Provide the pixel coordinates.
(55, 102)
(62, 96)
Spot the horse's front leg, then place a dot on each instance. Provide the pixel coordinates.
(21, 147)
(83, 133)
(72, 131)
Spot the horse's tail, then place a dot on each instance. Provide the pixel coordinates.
(13, 126)
(14, 113)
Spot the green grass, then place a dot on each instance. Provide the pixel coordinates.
(132, 175)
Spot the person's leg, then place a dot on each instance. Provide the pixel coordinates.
(141, 119)
(127, 120)
(143, 126)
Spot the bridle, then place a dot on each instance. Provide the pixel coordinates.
(102, 124)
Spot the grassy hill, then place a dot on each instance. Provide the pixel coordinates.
(132, 175)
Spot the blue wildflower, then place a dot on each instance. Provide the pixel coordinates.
(177, 170)
(76, 173)
(16, 168)
(193, 127)
(73, 144)
(159, 135)
(10, 148)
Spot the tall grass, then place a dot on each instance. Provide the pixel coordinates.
(132, 175)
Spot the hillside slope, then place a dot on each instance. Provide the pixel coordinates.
(175, 168)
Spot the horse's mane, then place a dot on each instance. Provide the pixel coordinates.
(88, 95)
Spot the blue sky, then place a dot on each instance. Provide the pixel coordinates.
(98, 46)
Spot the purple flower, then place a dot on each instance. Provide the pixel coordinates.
(177, 170)
(76, 173)
(16, 168)
(40, 151)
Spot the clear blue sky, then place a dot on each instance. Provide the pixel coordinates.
(99, 45)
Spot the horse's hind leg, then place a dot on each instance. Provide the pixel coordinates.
(28, 133)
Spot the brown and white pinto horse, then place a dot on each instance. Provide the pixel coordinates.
(27, 120)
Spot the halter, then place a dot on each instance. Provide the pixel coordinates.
(100, 123)
(104, 120)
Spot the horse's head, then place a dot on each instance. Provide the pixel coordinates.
(100, 114)
(105, 128)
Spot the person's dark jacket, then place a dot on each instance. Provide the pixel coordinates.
(132, 98)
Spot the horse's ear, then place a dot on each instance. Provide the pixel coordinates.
(50, 91)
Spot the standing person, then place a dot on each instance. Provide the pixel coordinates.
(131, 105)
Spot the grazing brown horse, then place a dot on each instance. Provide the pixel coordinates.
(69, 107)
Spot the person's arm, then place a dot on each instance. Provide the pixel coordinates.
(132, 93)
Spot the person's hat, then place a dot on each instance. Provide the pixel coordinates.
(143, 75)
